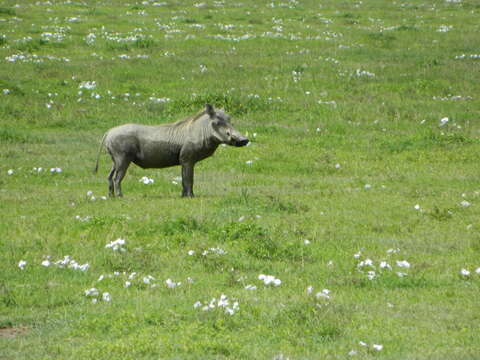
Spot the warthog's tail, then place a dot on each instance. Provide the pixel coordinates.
(99, 151)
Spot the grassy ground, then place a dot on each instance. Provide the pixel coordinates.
(357, 197)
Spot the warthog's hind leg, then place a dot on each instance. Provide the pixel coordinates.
(110, 182)
(121, 167)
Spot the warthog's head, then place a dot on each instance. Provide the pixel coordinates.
(223, 130)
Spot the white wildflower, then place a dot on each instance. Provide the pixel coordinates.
(403, 264)
(211, 305)
(444, 28)
(323, 294)
(366, 262)
(465, 272)
(229, 311)
(377, 347)
(62, 263)
(223, 301)
(443, 121)
(93, 292)
(88, 85)
(159, 100)
(385, 265)
(22, 264)
(393, 251)
(116, 245)
(10, 171)
(269, 280)
(46, 263)
(371, 275)
(83, 219)
(217, 251)
(146, 180)
(83, 267)
(172, 284)
(262, 277)
(148, 279)
(106, 297)
(132, 276)
(361, 73)
(465, 203)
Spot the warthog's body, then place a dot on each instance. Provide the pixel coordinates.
(181, 143)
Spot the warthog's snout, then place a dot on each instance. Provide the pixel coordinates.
(241, 142)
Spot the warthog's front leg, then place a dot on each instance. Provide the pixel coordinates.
(187, 179)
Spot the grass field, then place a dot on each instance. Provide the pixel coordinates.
(358, 199)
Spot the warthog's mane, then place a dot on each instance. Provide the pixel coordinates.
(191, 119)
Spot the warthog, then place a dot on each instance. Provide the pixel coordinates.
(182, 143)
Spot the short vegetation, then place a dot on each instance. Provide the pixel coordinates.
(348, 228)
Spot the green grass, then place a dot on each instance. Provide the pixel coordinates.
(345, 101)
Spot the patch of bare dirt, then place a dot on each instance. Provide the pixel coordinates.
(12, 332)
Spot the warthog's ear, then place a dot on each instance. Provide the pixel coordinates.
(210, 110)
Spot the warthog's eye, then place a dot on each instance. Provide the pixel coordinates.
(228, 133)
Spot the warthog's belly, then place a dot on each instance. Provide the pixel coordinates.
(157, 161)
(157, 155)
